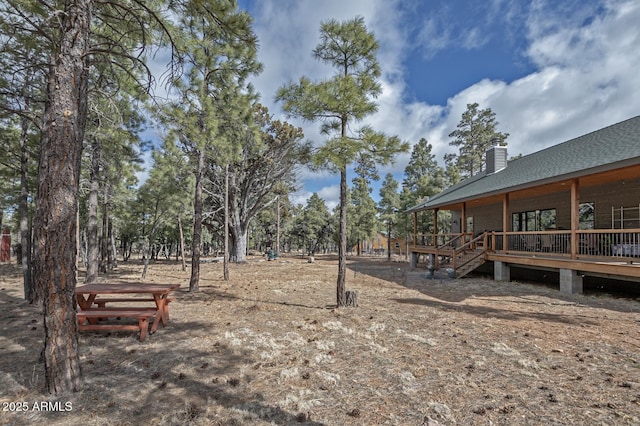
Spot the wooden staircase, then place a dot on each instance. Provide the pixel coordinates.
(467, 257)
(470, 265)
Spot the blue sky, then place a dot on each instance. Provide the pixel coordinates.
(550, 70)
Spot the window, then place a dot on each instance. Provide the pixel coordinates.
(547, 219)
(515, 222)
(532, 221)
(587, 215)
(535, 220)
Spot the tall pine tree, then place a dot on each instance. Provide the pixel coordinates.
(213, 96)
(389, 207)
(339, 102)
(363, 221)
(473, 136)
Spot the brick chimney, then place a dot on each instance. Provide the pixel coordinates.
(496, 157)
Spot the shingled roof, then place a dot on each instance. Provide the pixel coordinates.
(609, 148)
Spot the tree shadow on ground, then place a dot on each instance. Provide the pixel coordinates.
(439, 286)
(175, 385)
(502, 313)
(209, 293)
(162, 379)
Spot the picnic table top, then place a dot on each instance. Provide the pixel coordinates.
(131, 288)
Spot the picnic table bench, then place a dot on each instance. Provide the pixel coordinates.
(89, 313)
(141, 314)
(102, 302)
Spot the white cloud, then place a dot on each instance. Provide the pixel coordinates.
(433, 37)
(585, 53)
(330, 195)
(588, 80)
(288, 33)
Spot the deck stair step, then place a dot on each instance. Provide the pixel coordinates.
(469, 266)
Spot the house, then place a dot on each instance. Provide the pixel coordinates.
(374, 245)
(572, 208)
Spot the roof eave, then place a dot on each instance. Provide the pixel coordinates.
(555, 179)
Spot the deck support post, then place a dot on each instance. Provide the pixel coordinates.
(570, 282)
(432, 261)
(413, 260)
(501, 271)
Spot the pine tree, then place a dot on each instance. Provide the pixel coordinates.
(162, 197)
(313, 227)
(363, 221)
(389, 207)
(269, 152)
(346, 98)
(214, 99)
(473, 136)
(76, 35)
(424, 178)
(22, 96)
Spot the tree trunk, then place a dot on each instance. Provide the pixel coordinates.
(239, 243)
(389, 241)
(194, 282)
(23, 210)
(184, 264)
(113, 254)
(127, 246)
(278, 226)
(351, 299)
(93, 249)
(238, 233)
(55, 223)
(145, 263)
(225, 231)
(147, 253)
(104, 238)
(342, 246)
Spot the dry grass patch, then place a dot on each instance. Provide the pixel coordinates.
(269, 347)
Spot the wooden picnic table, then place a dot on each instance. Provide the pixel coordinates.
(91, 308)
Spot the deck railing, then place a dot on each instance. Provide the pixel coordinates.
(619, 244)
(623, 244)
(469, 251)
(442, 240)
(556, 242)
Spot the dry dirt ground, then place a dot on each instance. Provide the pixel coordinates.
(269, 347)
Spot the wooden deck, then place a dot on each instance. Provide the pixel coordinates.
(604, 253)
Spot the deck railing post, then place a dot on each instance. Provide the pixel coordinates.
(454, 256)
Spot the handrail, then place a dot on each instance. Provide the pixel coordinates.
(450, 243)
(470, 245)
(439, 239)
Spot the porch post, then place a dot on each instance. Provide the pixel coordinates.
(463, 219)
(415, 228)
(435, 221)
(501, 270)
(505, 222)
(575, 217)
